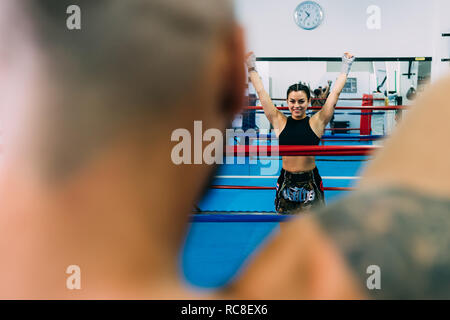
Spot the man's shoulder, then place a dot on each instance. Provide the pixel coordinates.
(295, 264)
(402, 232)
(382, 210)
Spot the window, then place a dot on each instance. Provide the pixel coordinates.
(350, 86)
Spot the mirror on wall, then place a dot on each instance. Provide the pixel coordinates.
(394, 82)
(387, 77)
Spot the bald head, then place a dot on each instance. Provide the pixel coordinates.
(126, 61)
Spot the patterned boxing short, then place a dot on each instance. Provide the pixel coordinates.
(300, 191)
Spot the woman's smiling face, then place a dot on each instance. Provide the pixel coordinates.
(298, 103)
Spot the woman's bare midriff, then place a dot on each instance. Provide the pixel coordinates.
(299, 164)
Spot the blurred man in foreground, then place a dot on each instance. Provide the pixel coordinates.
(86, 176)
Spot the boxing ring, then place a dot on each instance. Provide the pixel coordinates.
(237, 215)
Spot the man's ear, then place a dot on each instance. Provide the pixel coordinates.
(234, 87)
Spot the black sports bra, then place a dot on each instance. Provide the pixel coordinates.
(298, 132)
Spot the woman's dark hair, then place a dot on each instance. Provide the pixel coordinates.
(317, 92)
(299, 87)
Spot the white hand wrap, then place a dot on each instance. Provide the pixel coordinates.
(347, 64)
(251, 62)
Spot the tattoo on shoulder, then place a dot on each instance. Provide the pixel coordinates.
(404, 233)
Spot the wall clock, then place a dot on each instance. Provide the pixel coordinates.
(308, 15)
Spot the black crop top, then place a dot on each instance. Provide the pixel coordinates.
(298, 132)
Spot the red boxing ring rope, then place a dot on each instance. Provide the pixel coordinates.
(316, 99)
(273, 188)
(337, 129)
(336, 108)
(241, 151)
(346, 140)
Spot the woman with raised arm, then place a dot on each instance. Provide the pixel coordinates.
(321, 95)
(299, 186)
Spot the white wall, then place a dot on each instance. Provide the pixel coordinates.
(440, 45)
(284, 74)
(407, 28)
